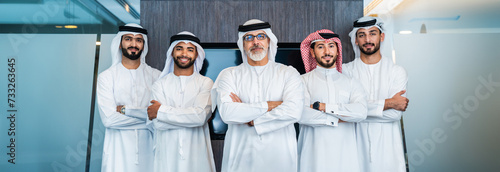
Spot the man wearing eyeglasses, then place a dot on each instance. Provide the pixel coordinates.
(260, 100)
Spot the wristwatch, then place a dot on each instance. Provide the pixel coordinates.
(316, 105)
(122, 110)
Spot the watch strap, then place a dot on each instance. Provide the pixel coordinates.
(122, 110)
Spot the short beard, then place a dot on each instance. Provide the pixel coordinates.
(258, 56)
(133, 56)
(375, 49)
(326, 65)
(178, 63)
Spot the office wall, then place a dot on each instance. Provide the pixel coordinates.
(454, 92)
(216, 21)
(451, 56)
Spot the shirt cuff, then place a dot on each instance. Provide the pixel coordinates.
(136, 112)
(263, 106)
(376, 108)
(332, 109)
(163, 109)
(331, 120)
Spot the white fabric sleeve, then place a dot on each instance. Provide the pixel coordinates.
(158, 125)
(156, 92)
(376, 112)
(313, 117)
(289, 111)
(375, 108)
(231, 112)
(194, 116)
(137, 112)
(355, 110)
(107, 106)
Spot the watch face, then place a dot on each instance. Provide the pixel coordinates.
(316, 105)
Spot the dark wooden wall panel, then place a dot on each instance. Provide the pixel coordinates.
(216, 21)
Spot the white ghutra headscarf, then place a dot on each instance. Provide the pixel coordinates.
(131, 28)
(365, 23)
(186, 37)
(253, 25)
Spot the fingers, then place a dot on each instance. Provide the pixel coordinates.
(250, 123)
(401, 92)
(406, 104)
(407, 101)
(152, 109)
(235, 98)
(151, 114)
(403, 106)
(118, 108)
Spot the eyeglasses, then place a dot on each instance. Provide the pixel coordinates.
(260, 36)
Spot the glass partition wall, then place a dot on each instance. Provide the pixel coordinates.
(50, 55)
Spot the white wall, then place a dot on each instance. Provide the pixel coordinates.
(454, 92)
(454, 83)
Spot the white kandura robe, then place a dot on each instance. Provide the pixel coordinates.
(379, 136)
(270, 145)
(324, 144)
(128, 143)
(182, 135)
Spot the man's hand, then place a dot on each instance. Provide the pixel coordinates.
(250, 123)
(322, 107)
(153, 109)
(273, 104)
(119, 108)
(397, 102)
(237, 99)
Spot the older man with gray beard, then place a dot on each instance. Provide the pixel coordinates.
(260, 100)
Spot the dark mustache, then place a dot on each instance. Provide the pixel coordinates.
(133, 48)
(183, 57)
(372, 44)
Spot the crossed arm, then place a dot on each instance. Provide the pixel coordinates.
(391, 109)
(270, 105)
(267, 116)
(169, 117)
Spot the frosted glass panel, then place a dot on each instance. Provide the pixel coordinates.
(451, 123)
(52, 100)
